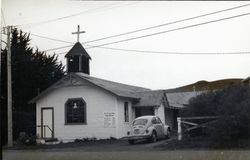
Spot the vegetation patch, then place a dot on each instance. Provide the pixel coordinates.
(232, 127)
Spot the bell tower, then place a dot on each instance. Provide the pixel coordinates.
(77, 57)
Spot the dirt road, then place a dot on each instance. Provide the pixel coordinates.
(120, 150)
(124, 155)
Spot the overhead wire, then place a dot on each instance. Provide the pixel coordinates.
(148, 51)
(154, 52)
(157, 33)
(160, 52)
(51, 38)
(169, 23)
(171, 52)
(72, 15)
(171, 30)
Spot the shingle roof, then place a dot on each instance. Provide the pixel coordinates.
(77, 49)
(118, 89)
(145, 96)
(150, 98)
(180, 99)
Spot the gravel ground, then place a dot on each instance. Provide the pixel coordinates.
(121, 150)
(125, 155)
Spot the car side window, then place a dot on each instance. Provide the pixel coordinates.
(154, 121)
(158, 120)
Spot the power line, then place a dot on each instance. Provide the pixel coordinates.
(151, 52)
(171, 30)
(175, 53)
(60, 18)
(171, 53)
(72, 15)
(146, 51)
(52, 49)
(169, 23)
(157, 33)
(51, 38)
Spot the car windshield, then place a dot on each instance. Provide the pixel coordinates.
(140, 122)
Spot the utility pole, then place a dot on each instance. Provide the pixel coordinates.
(9, 87)
(1, 111)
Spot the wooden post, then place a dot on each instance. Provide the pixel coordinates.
(9, 88)
(179, 128)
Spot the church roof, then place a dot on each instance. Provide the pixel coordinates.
(150, 98)
(181, 99)
(119, 89)
(77, 49)
(144, 97)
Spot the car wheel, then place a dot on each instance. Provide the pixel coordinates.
(131, 142)
(153, 137)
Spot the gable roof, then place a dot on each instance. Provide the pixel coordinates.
(77, 49)
(180, 99)
(118, 89)
(150, 98)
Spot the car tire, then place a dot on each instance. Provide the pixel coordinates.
(153, 137)
(131, 142)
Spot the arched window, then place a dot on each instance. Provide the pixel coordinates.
(75, 111)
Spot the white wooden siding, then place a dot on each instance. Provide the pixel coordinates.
(97, 101)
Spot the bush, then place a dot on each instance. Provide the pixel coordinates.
(232, 104)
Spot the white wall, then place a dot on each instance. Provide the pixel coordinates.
(169, 114)
(123, 126)
(160, 112)
(98, 101)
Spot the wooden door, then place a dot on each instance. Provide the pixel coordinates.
(47, 122)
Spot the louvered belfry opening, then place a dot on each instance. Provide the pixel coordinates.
(78, 59)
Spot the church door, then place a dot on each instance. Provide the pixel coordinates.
(47, 122)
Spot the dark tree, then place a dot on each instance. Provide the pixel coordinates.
(32, 72)
(231, 104)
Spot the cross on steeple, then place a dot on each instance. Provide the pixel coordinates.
(78, 32)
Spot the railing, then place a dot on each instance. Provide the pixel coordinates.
(192, 125)
(43, 130)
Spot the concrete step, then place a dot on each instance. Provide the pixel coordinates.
(48, 141)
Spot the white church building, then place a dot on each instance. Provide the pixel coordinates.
(81, 106)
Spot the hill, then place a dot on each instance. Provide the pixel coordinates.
(206, 85)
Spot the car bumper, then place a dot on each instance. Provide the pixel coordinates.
(137, 137)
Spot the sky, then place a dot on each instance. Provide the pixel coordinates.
(57, 19)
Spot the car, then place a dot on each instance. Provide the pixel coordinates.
(149, 128)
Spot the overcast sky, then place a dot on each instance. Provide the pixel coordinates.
(57, 19)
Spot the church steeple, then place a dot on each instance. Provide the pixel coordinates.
(77, 57)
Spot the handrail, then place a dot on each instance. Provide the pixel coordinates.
(45, 126)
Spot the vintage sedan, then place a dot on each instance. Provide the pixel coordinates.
(147, 127)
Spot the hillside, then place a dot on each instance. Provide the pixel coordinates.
(206, 85)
